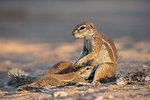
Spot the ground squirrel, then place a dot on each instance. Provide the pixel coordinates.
(98, 50)
(49, 80)
(19, 78)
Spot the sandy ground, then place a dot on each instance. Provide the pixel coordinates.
(132, 56)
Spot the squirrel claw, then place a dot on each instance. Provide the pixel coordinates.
(96, 83)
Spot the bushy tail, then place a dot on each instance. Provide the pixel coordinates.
(132, 77)
(19, 78)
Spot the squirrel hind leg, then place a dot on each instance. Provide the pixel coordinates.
(62, 67)
(105, 73)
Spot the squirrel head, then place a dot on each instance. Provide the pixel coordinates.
(84, 30)
(85, 71)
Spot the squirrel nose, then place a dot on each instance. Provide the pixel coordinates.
(73, 33)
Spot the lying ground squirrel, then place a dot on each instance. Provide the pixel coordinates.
(50, 80)
(23, 80)
(98, 50)
(19, 77)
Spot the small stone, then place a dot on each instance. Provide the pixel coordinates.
(145, 66)
(147, 78)
(60, 93)
(90, 90)
(110, 96)
(82, 83)
(99, 98)
(121, 81)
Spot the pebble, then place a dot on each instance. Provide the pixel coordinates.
(110, 96)
(90, 90)
(60, 93)
(147, 78)
(99, 98)
(145, 66)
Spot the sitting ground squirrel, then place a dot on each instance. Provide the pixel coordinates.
(98, 50)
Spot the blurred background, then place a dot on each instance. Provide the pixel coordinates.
(38, 33)
(54, 20)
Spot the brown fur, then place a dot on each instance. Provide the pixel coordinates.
(97, 48)
(62, 67)
(51, 80)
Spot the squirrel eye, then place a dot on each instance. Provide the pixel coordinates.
(87, 68)
(81, 28)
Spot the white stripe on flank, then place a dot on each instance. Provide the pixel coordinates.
(110, 47)
(69, 80)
